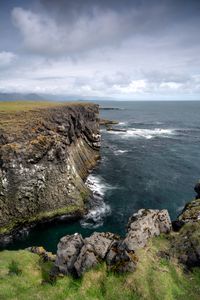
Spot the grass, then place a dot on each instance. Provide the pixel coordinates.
(155, 278)
(17, 106)
(15, 115)
(70, 209)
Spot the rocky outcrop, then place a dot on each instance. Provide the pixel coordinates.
(186, 244)
(76, 255)
(145, 224)
(45, 157)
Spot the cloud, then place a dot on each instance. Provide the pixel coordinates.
(6, 58)
(43, 34)
(119, 49)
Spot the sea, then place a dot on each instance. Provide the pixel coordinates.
(154, 163)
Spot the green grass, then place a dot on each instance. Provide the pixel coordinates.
(155, 278)
(70, 209)
(17, 106)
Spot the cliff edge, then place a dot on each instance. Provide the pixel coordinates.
(46, 152)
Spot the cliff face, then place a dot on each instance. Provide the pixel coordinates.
(45, 156)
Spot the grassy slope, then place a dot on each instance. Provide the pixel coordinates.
(155, 278)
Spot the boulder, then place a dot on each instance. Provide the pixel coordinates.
(145, 224)
(94, 250)
(69, 249)
(121, 260)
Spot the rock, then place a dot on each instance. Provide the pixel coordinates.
(45, 158)
(45, 255)
(121, 260)
(186, 245)
(177, 225)
(69, 249)
(101, 241)
(94, 250)
(76, 255)
(191, 212)
(86, 260)
(144, 224)
(197, 189)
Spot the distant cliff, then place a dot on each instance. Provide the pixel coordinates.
(45, 156)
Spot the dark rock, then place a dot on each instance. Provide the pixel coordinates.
(69, 249)
(177, 225)
(120, 259)
(197, 189)
(186, 245)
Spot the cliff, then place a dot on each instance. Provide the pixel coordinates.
(46, 152)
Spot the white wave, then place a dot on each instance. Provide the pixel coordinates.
(117, 152)
(99, 210)
(122, 123)
(145, 133)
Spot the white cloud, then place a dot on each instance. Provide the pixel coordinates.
(135, 86)
(6, 58)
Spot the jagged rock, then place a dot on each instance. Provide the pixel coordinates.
(94, 250)
(85, 260)
(69, 248)
(75, 255)
(121, 260)
(144, 224)
(191, 212)
(186, 245)
(101, 241)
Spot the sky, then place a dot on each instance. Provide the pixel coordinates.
(123, 50)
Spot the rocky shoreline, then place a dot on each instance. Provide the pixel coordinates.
(76, 255)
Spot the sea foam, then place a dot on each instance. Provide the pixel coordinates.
(145, 133)
(99, 209)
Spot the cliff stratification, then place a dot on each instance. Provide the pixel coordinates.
(45, 156)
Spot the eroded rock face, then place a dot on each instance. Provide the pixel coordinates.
(44, 162)
(119, 254)
(145, 224)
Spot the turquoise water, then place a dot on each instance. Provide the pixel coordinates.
(155, 164)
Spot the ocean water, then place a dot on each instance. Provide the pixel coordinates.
(154, 164)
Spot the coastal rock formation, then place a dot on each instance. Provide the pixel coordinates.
(186, 244)
(145, 224)
(45, 157)
(76, 255)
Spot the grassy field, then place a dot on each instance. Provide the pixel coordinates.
(23, 276)
(20, 113)
(17, 106)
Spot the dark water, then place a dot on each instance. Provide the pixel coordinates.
(155, 164)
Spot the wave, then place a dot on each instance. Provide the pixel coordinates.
(145, 133)
(117, 152)
(99, 209)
